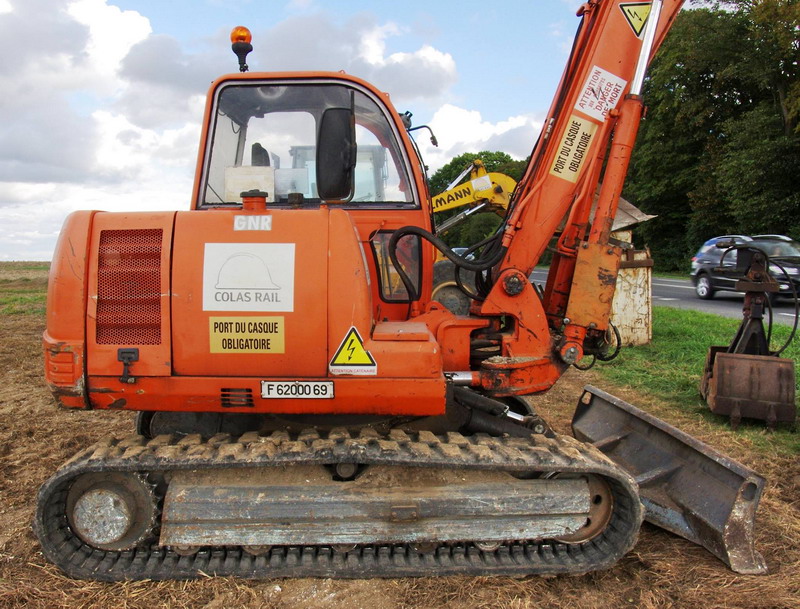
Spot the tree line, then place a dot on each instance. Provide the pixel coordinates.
(719, 150)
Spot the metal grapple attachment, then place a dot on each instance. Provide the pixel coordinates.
(745, 379)
(687, 487)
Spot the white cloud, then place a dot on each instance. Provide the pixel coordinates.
(112, 32)
(373, 43)
(357, 46)
(137, 151)
(459, 130)
(48, 134)
(32, 224)
(5, 7)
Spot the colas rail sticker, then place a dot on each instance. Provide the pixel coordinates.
(352, 358)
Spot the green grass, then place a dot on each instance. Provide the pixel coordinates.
(671, 366)
(32, 266)
(23, 287)
(23, 302)
(671, 274)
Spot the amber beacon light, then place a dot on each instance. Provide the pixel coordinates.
(240, 44)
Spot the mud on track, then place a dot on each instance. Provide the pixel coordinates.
(662, 570)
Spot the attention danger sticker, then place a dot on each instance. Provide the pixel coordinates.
(574, 149)
(246, 334)
(601, 93)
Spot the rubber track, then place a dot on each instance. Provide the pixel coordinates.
(561, 454)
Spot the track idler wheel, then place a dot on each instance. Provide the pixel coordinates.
(112, 511)
(601, 506)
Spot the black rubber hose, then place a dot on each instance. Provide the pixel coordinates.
(476, 401)
(480, 265)
(796, 308)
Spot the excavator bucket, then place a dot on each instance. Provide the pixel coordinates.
(687, 487)
(744, 386)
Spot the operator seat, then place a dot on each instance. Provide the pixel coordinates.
(259, 156)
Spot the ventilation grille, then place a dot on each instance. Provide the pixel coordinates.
(129, 287)
(236, 398)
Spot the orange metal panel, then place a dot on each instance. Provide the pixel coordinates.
(593, 285)
(354, 395)
(393, 330)
(252, 301)
(128, 286)
(66, 284)
(64, 340)
(368, 222)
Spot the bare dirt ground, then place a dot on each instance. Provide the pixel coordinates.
(661, 571)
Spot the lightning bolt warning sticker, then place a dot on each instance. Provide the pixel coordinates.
(636, 13)
(352, 358)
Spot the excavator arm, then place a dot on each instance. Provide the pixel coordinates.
(587, 139)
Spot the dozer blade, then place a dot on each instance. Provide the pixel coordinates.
(687, 487)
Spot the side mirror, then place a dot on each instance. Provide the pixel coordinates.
(336, 154)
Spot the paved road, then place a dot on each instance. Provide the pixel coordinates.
(679, 293)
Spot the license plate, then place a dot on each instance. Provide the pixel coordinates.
(319, 390)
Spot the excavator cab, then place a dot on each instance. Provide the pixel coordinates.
(322, 141)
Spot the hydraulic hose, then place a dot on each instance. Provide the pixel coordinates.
(477, 266)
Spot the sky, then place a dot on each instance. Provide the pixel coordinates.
(103, 100)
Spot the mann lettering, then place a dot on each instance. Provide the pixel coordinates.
(451, 198)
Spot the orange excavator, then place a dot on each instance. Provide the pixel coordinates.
(301, 413)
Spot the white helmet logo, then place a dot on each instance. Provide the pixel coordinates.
(245, 271)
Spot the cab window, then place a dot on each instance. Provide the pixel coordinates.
(392, 288)
(264, 138)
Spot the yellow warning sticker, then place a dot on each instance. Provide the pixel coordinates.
(636, 13)
(246, 334)
(352, 358)
(574, 148)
